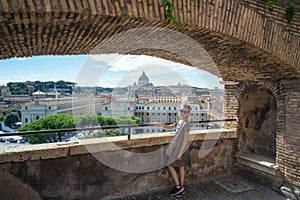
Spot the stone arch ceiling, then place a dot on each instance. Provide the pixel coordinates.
(246, 39)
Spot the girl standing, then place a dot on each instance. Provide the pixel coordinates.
(177, 151)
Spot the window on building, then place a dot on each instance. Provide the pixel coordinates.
(37, 117)
(105, 108)
(49, 108)
(26, 120)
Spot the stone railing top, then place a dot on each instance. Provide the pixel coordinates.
(86, 146)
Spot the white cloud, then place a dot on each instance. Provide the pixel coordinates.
(123, 70)
(131, 62)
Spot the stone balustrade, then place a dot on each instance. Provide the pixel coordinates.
(73, 170)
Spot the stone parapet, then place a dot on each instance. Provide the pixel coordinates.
(64, 149)
(70, 171)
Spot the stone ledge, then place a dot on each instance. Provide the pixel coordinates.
(64, 149)
(258, 162)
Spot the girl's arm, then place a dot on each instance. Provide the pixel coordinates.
(164, 125)
(184, 143)
(169, 126)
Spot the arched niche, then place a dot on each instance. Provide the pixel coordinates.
(257, 122)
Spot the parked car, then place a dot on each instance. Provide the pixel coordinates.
(12, 140)
(23, 140)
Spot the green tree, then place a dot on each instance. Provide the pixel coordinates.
(65, 121)
(86, 121)
(127, 120)
(1, 117)
(109, 120)
(12, 110)
(11, 118)
(101, 120)
(106, 133)
(57, 121)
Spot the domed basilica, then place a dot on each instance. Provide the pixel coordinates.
(143, 80)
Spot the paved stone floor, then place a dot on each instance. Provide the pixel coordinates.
(221, 188)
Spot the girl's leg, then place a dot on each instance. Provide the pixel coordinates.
(181, 174)
(173, 174)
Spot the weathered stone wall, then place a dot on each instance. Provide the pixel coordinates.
(80, 175)
(286, 92)
(231, 105)
(257, 122)
(289, 134)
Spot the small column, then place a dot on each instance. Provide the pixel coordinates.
(231, 104)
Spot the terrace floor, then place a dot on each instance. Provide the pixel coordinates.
(223, 188)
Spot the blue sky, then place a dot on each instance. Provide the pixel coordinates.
(111, 70)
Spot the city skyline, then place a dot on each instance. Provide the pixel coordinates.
(111, 70)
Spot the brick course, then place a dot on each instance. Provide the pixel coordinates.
(224, 28)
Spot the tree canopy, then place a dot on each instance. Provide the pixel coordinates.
(11, 116)
(57, 121)
(11, 119)
(65, 121)
(19, 88)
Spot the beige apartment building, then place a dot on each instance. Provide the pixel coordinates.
(166, 110)
(40, 108)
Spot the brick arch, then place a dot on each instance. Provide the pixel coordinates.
(224, 28)
(277, 89)
(271, 85)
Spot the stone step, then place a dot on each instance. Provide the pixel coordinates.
(258, 162)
